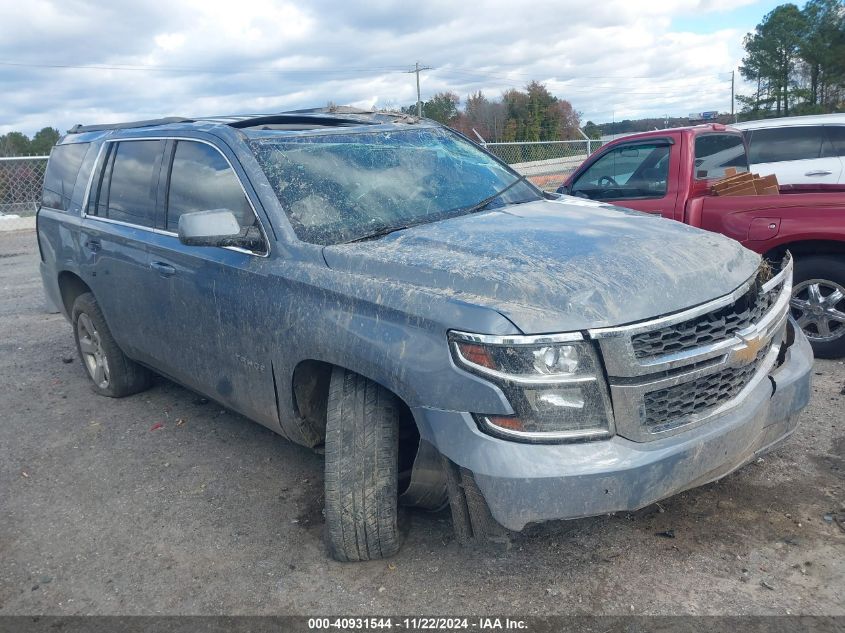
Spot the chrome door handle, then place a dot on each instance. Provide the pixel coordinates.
(93, 245)
(165, 270)
(819, 172)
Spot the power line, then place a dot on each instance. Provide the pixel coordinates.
(382, 69)
(524, 64)
(668, 82)
(589, 89)
(482, 71)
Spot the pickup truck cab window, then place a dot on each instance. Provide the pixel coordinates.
(200, 180)
(627, 172)
(715, 153)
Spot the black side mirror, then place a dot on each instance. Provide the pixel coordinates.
(564, 189)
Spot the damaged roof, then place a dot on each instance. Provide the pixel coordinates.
(314, 118)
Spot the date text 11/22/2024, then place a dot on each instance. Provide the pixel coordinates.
(417, 624)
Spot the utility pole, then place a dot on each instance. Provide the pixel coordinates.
(733, 116)
(417, 69)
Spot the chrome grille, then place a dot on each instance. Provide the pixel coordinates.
(667, 408)
(708, 328)
(677, 372)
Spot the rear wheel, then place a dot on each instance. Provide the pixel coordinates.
(362, 469)
(112, 372)
(818, 303)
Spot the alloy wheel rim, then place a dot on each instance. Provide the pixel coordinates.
(818, 306)
(91, 348)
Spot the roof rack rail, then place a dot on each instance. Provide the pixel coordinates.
(79, 129)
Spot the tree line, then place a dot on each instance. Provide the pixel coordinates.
(19, 144)
(532, 114)
(796, 60)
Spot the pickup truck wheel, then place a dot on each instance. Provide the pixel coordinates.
(362, 469)
(113, 374)
(818, 303)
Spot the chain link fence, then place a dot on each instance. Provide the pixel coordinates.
(546, 163)
(21, 178)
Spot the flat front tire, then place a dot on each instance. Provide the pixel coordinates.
(112, 372)
(362, 469)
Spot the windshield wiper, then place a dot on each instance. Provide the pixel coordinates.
(480, 205)
(387, 230)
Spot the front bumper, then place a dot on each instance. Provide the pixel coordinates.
(526, 483)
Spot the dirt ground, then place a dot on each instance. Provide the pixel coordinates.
(163, 503)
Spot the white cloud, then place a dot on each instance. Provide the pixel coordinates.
(618, 58)
(170, 41)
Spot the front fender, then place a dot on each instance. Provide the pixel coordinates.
(403, 349)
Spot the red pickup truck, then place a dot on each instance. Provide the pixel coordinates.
(670, 172)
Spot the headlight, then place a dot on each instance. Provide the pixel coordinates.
(553, 384)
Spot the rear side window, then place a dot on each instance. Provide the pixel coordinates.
(835, 140)
(129, 183)
(775, 145)
(201, 180)
(715, 153)
(60, 177)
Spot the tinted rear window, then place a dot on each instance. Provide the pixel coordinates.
(130, 194)
(785, 143)
(836, 139)
(714, 153)
(60, 177)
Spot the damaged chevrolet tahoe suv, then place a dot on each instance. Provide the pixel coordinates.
(379, 288)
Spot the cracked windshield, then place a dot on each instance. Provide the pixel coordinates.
(345, 187)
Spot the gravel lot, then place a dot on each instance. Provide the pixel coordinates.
(210, 513)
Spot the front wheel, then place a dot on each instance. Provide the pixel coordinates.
(362, 469)
(818, 303)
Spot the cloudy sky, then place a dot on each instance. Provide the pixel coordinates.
(78, 61)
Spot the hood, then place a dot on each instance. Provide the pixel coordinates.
(558, 265)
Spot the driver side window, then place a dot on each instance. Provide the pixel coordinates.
(201, 180)
(626, 173)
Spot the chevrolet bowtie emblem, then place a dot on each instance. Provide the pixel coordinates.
(747, 354)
